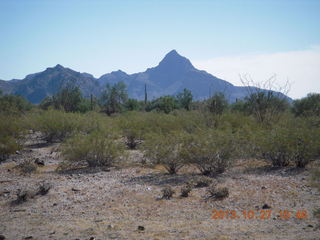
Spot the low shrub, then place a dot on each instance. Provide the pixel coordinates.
(185, 191)
(290, 142)
(166, 150)
(27, 167)
(55, 125)
(11, 134)
(96, 149)
(167, 193)
(202, 181)
(211, 151)
(218, 193)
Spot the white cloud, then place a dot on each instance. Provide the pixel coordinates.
(300, 68)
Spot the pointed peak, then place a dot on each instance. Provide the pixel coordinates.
(174, 60)
(58, 66)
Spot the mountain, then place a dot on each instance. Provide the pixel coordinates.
(35, 87)
(171, 76)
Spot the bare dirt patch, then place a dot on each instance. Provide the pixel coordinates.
(123, 203)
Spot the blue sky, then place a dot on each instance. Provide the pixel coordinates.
(220, 37)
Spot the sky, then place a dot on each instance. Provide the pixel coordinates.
(226, 38)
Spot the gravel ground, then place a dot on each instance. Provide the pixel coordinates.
(113, 203)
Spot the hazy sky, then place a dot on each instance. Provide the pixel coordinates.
(225, 38)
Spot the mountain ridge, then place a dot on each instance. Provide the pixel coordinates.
(173, 73)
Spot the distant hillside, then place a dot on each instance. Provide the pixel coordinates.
(172, 75)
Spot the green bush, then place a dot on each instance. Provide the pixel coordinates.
(99, 148)
(211, 151)
(10, 104)
(55, 125)
(166, 150)
(288, 142)
(11, 133)
(308, 106)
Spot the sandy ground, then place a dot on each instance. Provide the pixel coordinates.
(96, 204)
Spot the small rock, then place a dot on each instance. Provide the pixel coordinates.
(141, 228)
(39, 162)
(53, 232)
(263, 187)
(55, 204)
(110, 226)
(92, 238)
(2, 237)
(75, 190)
(266, 206)
(309, 225)
(29, 237)
(17, 152)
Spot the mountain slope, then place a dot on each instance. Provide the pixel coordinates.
(171, 76)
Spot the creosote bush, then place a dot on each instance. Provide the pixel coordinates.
(55, 125)
(166, 150)
(11, 134)
(289, 143)
(97, 149)
(210, 151)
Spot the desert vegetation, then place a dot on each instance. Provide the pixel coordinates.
(194, 144)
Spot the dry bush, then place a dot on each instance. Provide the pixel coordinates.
(185, 191)
(27, 167)
(217, 193)
(167, 193)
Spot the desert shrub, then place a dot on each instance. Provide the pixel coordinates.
(217, 104)
(164, 104)
(167, 192)
(217, 193)
(265, 105)
(186, 190)
(133, 127)
(27, 167)
(113, 98)
(211, 151)
(166, 150)
(308, 106)
(290, 142)
(10, 104)
(11, 133)
(315, 179)
(99, 148)
(55, 125)
(201, 181)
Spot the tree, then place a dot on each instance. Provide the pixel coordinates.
(113, 98)
(218, 103)
(266, 100)
(308, 106)
(164, 104)
(184, 99)
(69, 99)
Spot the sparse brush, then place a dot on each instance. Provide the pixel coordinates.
(98, 149)
(166, 150)
(217, 193)
(210, 151)
(167, 193)
(27, 167)
(202, 181)
(185, 191)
